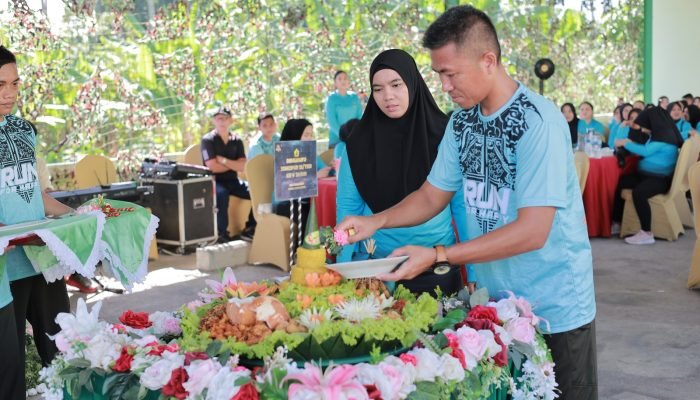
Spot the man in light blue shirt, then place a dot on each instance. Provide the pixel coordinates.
(21, 200)
(509, 149)
(265, 140)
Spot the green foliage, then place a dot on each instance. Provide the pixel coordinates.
(32, 363)
(112, 78)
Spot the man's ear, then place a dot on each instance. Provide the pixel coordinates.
(489, 61)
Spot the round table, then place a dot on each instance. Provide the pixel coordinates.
(599, 193)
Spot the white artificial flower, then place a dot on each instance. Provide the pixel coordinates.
(451, 368)
(385, 303)
(492, 348)
(409, 375)
(355, 310)
(164, 323)
(81, 326)
(158, 374)
(102, 351)
(200, 374)
(223, 384)
(428, 365)
(311, 318)
(505, 309)
(504, 335)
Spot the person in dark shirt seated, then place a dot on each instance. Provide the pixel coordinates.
(224, 154)
(655, 172)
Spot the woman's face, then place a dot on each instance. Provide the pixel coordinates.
(390, 93)
(626, 112)
(568, 113)
(308, 133)
(342, 81)
(585, 111)
(676, 111)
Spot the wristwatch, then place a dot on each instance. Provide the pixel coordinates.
(442, 266)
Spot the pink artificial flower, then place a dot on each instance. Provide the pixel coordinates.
(219, 288)
(472, 346)
(408, 359)
(337, 383)
(341, 237)
(521, 329)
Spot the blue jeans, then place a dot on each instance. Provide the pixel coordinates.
(224, 189)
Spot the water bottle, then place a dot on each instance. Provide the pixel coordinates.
(588, 143)
(597, 144)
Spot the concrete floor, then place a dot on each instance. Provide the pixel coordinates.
(648, 323)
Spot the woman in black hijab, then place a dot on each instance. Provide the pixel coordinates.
(300, 129)
(655, 171)
(389, 155)
(569, 112)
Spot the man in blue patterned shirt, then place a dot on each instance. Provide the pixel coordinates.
(509, 149)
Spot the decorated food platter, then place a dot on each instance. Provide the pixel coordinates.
(367, 268)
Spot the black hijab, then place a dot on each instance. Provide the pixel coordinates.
(573, 124)
(636, 135)
(694, 116)
(346, 129)
(390, 158)
(661, 125)
(294, 128)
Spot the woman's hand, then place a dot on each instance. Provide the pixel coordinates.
(419, 260)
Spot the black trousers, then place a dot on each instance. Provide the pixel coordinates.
(643, 188)
(224, 189)
(12, 364)
(576, 362)
(38, 302)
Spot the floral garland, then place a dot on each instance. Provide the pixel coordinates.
(467, 358)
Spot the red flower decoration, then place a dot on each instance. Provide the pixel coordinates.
(373, 392)
(247, 392)
(123, 363)
(136, 320)
(195, 355)
(408, 359)
(484, 312)
(457, 353)
(159, 349)
(174, 387)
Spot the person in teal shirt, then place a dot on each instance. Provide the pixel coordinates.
(389, 155)
(341, 106)
(263, 143)
(22, 200)
(654, 173)
(508, 148)
(675, 109)
(586, 120)
(615, 122)
(622, 129)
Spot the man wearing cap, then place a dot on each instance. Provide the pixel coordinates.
(224, 154)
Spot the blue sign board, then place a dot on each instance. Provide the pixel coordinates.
(295, 169)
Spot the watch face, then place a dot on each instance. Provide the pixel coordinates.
(441, 269)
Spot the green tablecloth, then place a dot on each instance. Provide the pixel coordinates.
(77, 243)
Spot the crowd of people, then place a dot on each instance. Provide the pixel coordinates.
(651, 132)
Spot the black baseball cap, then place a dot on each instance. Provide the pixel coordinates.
(222, 110)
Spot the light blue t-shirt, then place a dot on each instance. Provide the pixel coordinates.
(339, 149)
(262, 146)
(435, 231)
(20, 193)
(658, 158)
(596, 125)
(684, 128)
(339, 110)
(520, 156)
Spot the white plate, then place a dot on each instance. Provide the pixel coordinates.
(366, 268)
(23, 225)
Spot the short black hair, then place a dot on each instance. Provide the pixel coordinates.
(338, 72)
(6, 56)
(460, 25)
(688, 96)
(264, 116)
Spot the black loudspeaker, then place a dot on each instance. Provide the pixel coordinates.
(186, 209)
(544, 69)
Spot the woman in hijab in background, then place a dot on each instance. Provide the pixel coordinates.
(693, 112)
(655, 171)
(569, 112)
(389, 155)
(300, 129)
